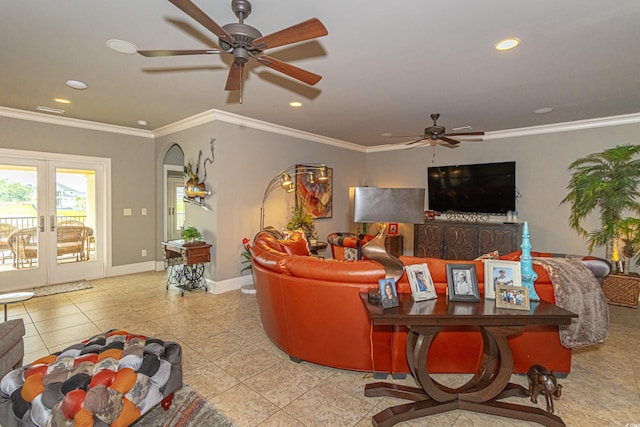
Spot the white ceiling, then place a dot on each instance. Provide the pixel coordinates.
(386, 65)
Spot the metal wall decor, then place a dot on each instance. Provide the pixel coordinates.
(195, 189)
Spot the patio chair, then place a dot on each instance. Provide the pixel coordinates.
(24, 246)
(5, 230)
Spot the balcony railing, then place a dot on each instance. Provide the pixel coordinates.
(23, 222)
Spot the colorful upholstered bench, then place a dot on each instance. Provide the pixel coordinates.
(111, 379)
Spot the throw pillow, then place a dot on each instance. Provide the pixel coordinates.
(295, 245)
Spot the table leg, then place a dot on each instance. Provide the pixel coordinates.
(5, 312)
(480, 394)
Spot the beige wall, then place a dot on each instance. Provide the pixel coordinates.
(542, 175)
(132, 174)
(247, 158)
(245, 161)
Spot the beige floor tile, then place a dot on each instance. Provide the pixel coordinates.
(244, 406)
(30, 330)
(53, 312)
(32, 344)
(72, 334)
(326, 405)
(254, 360)
(209, 379)
(283, 383)
(35, 355)
(62, 322)
(282, 419)
(230, 360)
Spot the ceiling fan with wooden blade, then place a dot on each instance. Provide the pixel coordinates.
(244, 42)
(436, 135)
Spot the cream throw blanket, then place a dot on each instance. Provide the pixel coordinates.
(576, 289)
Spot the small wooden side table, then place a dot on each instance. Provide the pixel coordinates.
(622, 289)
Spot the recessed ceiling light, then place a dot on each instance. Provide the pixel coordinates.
(62, 101)
(386, 134)
(142, 122)
(76, 84)
(49, 109)
(122, 46)
(295, 104)
(507, 44)
(543, 110)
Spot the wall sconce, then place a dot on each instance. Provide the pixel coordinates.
(285, 180)
(372, 204)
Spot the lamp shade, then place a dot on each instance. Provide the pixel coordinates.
(373, 204)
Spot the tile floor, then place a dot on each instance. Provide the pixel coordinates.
(228, 358)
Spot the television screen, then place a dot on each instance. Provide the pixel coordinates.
(483, 188)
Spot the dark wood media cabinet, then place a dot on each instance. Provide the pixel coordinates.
(460, 240)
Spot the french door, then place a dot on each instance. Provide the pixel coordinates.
(51, 221)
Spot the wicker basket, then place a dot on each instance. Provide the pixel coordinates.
(622, 290)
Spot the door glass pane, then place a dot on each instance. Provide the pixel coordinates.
(179, 208)
(18, 217)
(75, 215)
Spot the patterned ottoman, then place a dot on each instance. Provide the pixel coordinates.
(110, 379)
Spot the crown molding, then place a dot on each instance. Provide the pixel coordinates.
(13, 113)
(600, 122)
(223, 116)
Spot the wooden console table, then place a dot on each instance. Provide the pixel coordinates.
(448, 239)
(186, 262)
(425, 319)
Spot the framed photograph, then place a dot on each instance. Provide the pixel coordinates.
(422, 287)
(514, 297)
(389, 295)
(316, 197)
(505, 273)
(392, 229)
(462, 282)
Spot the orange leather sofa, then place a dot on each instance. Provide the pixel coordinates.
(311, 309)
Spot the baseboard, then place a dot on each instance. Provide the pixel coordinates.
(228, 285)
(141, 267)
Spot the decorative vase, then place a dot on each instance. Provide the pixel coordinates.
(529, 276)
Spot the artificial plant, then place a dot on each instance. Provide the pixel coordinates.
(191, 234)
(606, 182)
(300, 218)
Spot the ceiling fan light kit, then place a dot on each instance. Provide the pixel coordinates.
(436, 135)
(245, 42)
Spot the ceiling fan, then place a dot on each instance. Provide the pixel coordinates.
(244, 42)
(435, 135)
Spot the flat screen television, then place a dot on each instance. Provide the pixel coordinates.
(488, 188)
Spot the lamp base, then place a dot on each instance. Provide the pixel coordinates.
(375, 250)
(248, 289)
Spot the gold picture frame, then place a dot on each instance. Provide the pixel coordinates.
(512, 297)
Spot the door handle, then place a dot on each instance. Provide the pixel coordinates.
(42, 223)
(52, 221)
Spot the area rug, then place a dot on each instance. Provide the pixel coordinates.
(61, 288)
(188, 409)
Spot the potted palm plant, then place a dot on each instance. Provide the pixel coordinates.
(606, 182)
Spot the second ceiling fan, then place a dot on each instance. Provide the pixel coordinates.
(244, 42)
(436, 135)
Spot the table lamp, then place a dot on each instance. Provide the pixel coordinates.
(373, 204)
